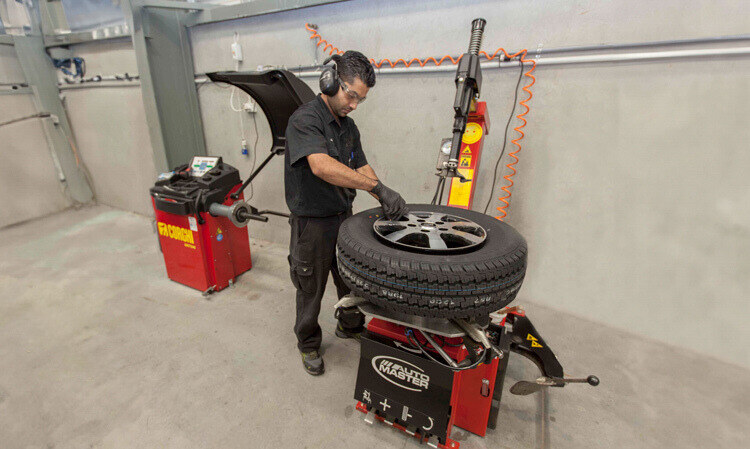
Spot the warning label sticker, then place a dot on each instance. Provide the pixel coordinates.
(461, 191)
(534, 342)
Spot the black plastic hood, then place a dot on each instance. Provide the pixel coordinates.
(278, 92)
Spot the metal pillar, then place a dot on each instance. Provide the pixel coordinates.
(165, 67)
(41, 77)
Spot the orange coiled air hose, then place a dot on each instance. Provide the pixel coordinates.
(505, 199)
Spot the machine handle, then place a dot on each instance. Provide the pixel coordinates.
(525, 387)
(244, 215)
(177, 206)
(274, 152)
(591, 380)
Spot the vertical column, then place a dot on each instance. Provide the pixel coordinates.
(170, 99)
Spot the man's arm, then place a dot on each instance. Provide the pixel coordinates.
(334, 172)
(370, 173)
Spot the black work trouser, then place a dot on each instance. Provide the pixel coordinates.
(312, 256)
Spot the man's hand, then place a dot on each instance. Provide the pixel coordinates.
(393, 204)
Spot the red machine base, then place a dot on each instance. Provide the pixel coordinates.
(206, 256)
(404, 381)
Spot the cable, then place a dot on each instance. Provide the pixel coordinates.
(255, 155)
(505, 138)
(64, 188)
(231, 100)
(242, 124)
(27, 117)
(437, 190)
(410, 332)
(219, 85)
(241, 110)
(425, 352)
(505, 199)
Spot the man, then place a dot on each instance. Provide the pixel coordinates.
(324, 165)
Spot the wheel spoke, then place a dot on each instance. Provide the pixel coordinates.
(453, 224)
(384, 222)
(435, 241)
(470, 237)
(398, 235)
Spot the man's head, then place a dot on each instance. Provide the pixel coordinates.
(356, 77)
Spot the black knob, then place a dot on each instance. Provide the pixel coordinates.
(592, 380)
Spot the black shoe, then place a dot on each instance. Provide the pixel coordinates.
(313, 363)
(346, 333)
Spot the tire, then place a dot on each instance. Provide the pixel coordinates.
(468, 284)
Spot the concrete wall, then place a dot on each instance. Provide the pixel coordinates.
(29, 185)
(111, 129)
(632, 188)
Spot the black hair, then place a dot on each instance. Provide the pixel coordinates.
(353, 64)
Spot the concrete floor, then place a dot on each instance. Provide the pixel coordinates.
(99, 349)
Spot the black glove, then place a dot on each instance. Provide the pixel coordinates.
(393, 204)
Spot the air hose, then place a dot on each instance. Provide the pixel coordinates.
(521, 55)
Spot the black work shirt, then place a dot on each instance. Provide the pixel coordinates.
(313, 129)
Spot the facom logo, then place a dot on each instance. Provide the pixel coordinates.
(401, 373)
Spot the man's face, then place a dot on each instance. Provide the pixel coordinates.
(348, 97)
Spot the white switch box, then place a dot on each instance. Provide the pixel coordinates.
(236, 51)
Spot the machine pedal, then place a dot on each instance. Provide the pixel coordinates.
(432, 440)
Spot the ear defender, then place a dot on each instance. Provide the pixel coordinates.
(329, 78)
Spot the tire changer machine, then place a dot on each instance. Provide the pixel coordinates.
(424, 376)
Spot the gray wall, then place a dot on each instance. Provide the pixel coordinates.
(111, 130)
(29, 185)
(631, 188)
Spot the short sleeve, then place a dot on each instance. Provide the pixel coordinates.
(359, 155)
(304, 136)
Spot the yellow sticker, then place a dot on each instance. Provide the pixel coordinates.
(466, 150)
(472, 134)
(461, 191)
(465, 161)
(175, 232)
(534, 342)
